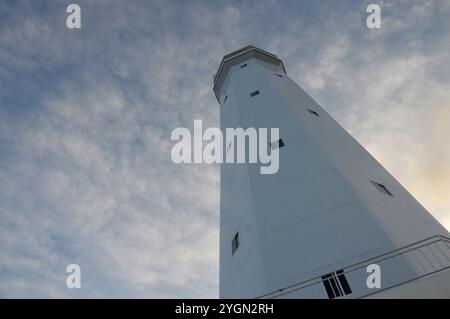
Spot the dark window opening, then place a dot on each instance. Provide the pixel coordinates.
(344, 282)
(279, 75)
(243, 65)
(277, 144)
(328, 289)
(235, 243)
(336, 285)
(225, 99)
(254, 93)
(382, 188)
(313, 112)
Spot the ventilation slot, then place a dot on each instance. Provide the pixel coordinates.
(254, 93)
(235, 243)
(382, 189)
(313, 112)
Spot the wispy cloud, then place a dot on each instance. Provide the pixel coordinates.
(86, 116)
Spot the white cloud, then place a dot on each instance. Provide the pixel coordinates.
(85, 122)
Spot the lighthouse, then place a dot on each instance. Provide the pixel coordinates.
(331, 222)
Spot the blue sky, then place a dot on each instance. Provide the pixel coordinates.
(86, 115)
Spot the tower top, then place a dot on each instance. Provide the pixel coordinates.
(239, 56)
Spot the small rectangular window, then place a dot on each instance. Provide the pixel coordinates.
(254, 93)
(382, 188)
(243, 65)
(235, 243)
(343, 281)
(328, 289)
(277, 144)
(336, 285)
(313, 112)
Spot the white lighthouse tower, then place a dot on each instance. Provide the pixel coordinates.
(312, 229)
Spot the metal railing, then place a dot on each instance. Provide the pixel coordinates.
(415, 260)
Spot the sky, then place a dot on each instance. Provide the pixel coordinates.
(86, 116)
